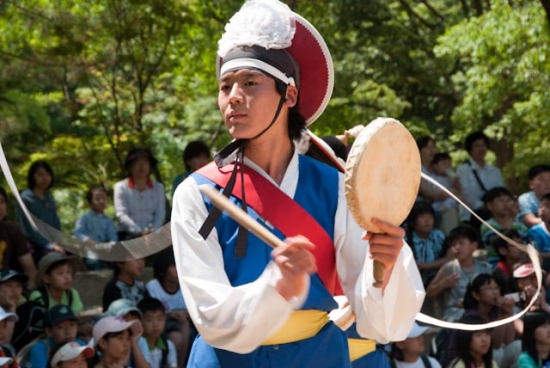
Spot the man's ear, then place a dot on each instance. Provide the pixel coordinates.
(291, 96)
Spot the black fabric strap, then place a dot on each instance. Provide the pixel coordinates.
(477, 176)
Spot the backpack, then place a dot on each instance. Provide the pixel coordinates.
(442, 347)
(31, 319)
(424, 359)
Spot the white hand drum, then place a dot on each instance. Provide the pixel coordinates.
(382, 177)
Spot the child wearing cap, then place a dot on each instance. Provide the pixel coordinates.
(539, 233)
(61, 327)
(115, 339)
(162, 351)
(128, 311)
(54, 279)
(12, 284)
(70, 355)
(539, 183)
(526, 282)
(125, 283)
(409, 352)
(7, 321)
(95, 226)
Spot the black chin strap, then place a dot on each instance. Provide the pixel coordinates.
(238, 145)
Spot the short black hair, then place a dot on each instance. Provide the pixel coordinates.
(31, 183)
(534, 171)
(440, 157)
(150, 305)
(296, 121)
(194, 149)
(464, 232)
(163, 259)
(495, 193)
(136, 153)
(419, 208)
(90, 192)
(474, 137)
(499, 243)
(423, 141)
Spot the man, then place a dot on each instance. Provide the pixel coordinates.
(254, 306)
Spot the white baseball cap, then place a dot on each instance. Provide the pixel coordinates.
(417, 330)
(70, 351)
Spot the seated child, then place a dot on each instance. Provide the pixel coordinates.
(61, 327)
(454, 276)
(473, 348)
(409, 353)
(70, 355)
(162, 351)
(500, 202)
(427, 243)
(95, 227)
(539, 233)
(166, 288)
(444, 175)
(539, 183)
(7, 320)
(114, 339)
(54, 279)
(509, 256)
(536, 346)
(12, 284)
(125, 283)
(484, 298)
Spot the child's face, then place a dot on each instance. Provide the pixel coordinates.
(481, 342)
(413, 345)
(500, 206)
(441, 166)
(63, 332)
(542, 334)
(540, 184)
(153, 323)
(98, 202)
(4, 335)
(488, 294)
(544, 211)
(60, 277)
(512, 253)
(464, 248)
(12, 290)
(78, 362)
(197, 162)
(117, 347)
(424, 223)
(132, 267)
(528, 282)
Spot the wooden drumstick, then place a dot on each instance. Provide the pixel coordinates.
(242, 218)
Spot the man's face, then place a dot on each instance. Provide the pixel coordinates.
(248, 102)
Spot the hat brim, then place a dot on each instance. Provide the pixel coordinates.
(524, 271)
(69, 353)
(73, 261)
(417, 331)
(134, 326)
(311, 52)
(21, 277)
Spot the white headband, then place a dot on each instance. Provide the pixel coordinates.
(258, 64)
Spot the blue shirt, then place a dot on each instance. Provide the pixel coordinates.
(96, 226)
(44, 209)
(540, 236)
(528, 203)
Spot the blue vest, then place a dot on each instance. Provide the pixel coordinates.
(317, 193)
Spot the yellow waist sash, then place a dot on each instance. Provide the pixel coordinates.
(304, 324)
(301, 325)
(358, 348)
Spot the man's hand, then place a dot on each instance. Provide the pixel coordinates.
(385, 247)
(296, 264)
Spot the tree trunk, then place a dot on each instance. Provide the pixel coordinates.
(546, 6)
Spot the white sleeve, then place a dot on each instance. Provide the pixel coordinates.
(121, 208)
(469, 186)
(232, 318)
(160, 211)
(142, 343)
(172, 358)
(387, 316)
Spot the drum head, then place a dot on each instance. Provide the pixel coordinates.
(382, 174)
